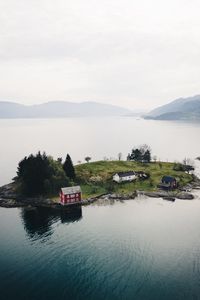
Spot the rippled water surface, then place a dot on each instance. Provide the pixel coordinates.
(137, 249)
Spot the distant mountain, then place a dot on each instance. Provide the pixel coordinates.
(180, 109)
(59, 109)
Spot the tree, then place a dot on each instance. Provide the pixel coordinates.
(128, 157)
(119, 156)
(136, 155)
(188, 162)
(88, 158)
(145, 153)
(186, 166)
(140, 154)
(32, 171)
(69, 168)
(58, 178)
(40, 174)
(155, 158)
(146, 156)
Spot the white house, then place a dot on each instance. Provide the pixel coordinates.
(124, 176)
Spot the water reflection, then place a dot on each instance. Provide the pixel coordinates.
(71, 215)
(38, 222)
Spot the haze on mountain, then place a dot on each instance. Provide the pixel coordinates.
(60, 109)
(179, 109)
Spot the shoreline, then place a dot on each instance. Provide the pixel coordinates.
(9, 199)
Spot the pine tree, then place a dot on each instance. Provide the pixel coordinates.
(147, 156)
(69, 168)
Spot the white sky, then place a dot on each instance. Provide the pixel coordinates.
(133, 53)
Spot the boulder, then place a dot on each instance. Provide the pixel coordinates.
(169, 199)
(156, 194)
(184, 196)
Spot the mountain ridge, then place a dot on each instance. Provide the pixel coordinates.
(179, 109)
(60, 109)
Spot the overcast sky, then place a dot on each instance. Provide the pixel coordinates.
(133, 53)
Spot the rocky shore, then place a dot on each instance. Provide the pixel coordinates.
(9, 198)
(184, 193)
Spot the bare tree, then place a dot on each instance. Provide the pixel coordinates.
(188, 164)
(144, 148)
(188, 161)
(119, 156)
(154, 158)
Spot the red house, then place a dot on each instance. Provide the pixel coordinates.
(70, 195)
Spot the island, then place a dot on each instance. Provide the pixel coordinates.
(96, 180)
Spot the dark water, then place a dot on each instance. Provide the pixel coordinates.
(137, 249)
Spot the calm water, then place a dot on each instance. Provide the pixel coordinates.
(96, 137)
(137, 249)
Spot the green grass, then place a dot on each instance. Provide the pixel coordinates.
(106, 169)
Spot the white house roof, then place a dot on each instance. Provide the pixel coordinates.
(71, 190)
(125, 174)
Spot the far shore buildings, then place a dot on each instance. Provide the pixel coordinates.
(70, 195)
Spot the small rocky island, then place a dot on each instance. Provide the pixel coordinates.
(96, 181)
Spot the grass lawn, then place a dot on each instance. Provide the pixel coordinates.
(103, 171)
